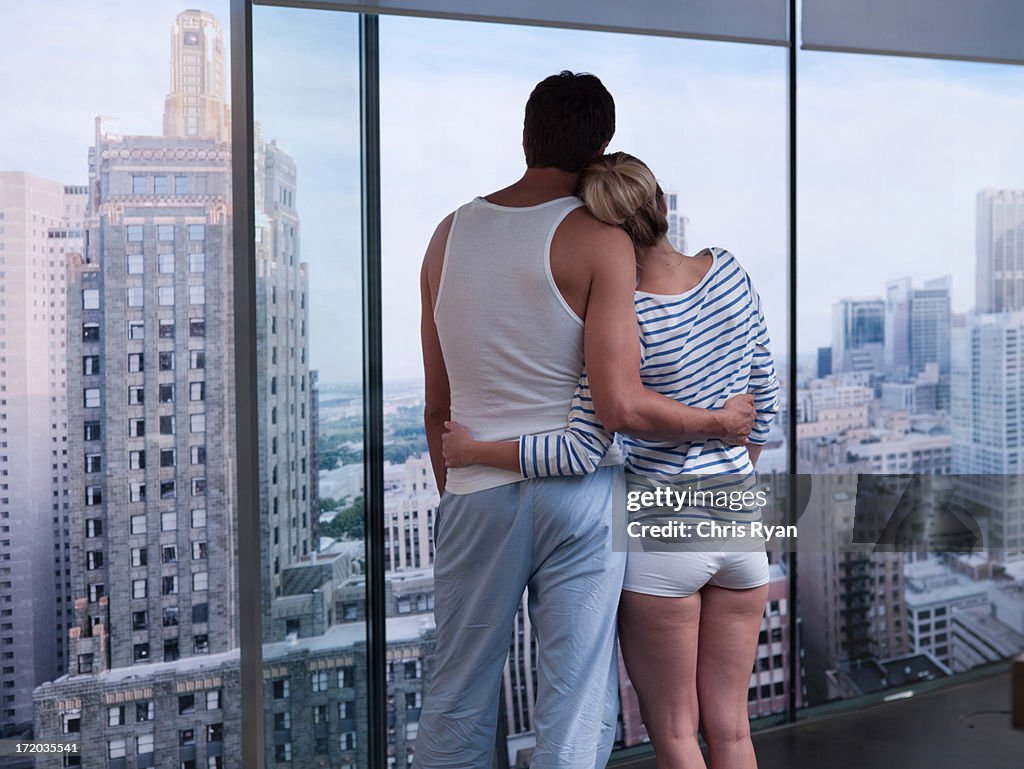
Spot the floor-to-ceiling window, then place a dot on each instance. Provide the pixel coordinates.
(709, 118)
(309, 383)
(909, 222)
(118, 515)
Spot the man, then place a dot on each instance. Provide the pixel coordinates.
(517, 289)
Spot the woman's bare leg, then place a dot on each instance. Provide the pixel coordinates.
(730, 621)
(658, 637)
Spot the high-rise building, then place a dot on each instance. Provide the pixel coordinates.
(288, 480)
(987, 390)
(677, 223)
(196, 106)
(150, 368)
(917, 323)
(858, 333)
(999, 273)
(824, 367)
(41, 225)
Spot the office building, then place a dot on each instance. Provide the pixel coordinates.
(858, 334)
(999, 275)
(41, 225)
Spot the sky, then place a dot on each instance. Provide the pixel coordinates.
(891, 151)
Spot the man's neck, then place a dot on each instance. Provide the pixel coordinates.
(537, 185)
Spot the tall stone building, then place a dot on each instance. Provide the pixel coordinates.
(151, 406)
(41, 226)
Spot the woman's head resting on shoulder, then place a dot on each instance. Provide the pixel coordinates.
(619, 189)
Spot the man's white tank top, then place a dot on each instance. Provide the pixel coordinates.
(512, 346)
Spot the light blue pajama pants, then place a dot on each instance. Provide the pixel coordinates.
(554, 537)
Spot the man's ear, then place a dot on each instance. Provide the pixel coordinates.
(602, 149)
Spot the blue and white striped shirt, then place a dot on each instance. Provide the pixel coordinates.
(701, 348)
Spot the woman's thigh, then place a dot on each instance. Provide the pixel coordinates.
(658, 637)
(730, 621)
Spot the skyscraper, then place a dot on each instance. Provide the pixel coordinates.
(987, 390)
(858, 333)
(151, 406)
(677, 223)
(196, 106)
(41, 223)
(1000, 255)
(917, 327)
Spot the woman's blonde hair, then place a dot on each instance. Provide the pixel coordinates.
(619, 189)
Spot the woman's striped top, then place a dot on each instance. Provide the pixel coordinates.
(701, 348)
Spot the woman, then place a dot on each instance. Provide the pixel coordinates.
(688, 619)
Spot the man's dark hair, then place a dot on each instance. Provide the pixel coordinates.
(568, 117)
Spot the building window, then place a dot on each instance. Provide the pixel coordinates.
(166, 328)
(166, 361)
(136, 460)
(346, 678)
(197, 359)
(92, 431)
(136, 395)
(197, 455)
(283, 752)
(166, 393)
(165, 233)
(201, 644)
(348, 741)
(139, 557)
(93, 528)
(170, 616)
(90, 365)
(93, 463)
(199, 551)
(144, 711)
(139, 588)
(161, 185)
(186, 704)
(318, 681)
(136, 264)
(137, 524)
(170, 553)
(197, 423)
(165, 295)
(115, 716)
(197, 232)
(96, 592)
(145, 744)
(139, 187)
(136, 330)
(167, 425)
(168, 457)
(198, 487)
(169, 585)
(213, 699)
(197, 327)
(134, 233)
(116, 748)
(319, 714)
(281, 689)
(197, 262)
(171, 650)
(90, 298)
(94, 560)
(197, 294)
(346, 710)
(197, 391)
(215, 733)
(136, 492)
(135, 296)
(84, 667)
(168, 489)
(90, 332)
(91, 397)
(199, 518)
(136, 362)
(168, 521)
(165, 263)
(180, 185)
(93, 496)
(200, 581)
(136, 428)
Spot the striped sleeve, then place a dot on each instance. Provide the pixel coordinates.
(764, 384)
(576, 450)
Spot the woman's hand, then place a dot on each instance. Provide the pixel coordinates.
(457, 445)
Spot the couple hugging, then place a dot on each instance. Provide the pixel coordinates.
(557, 316)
